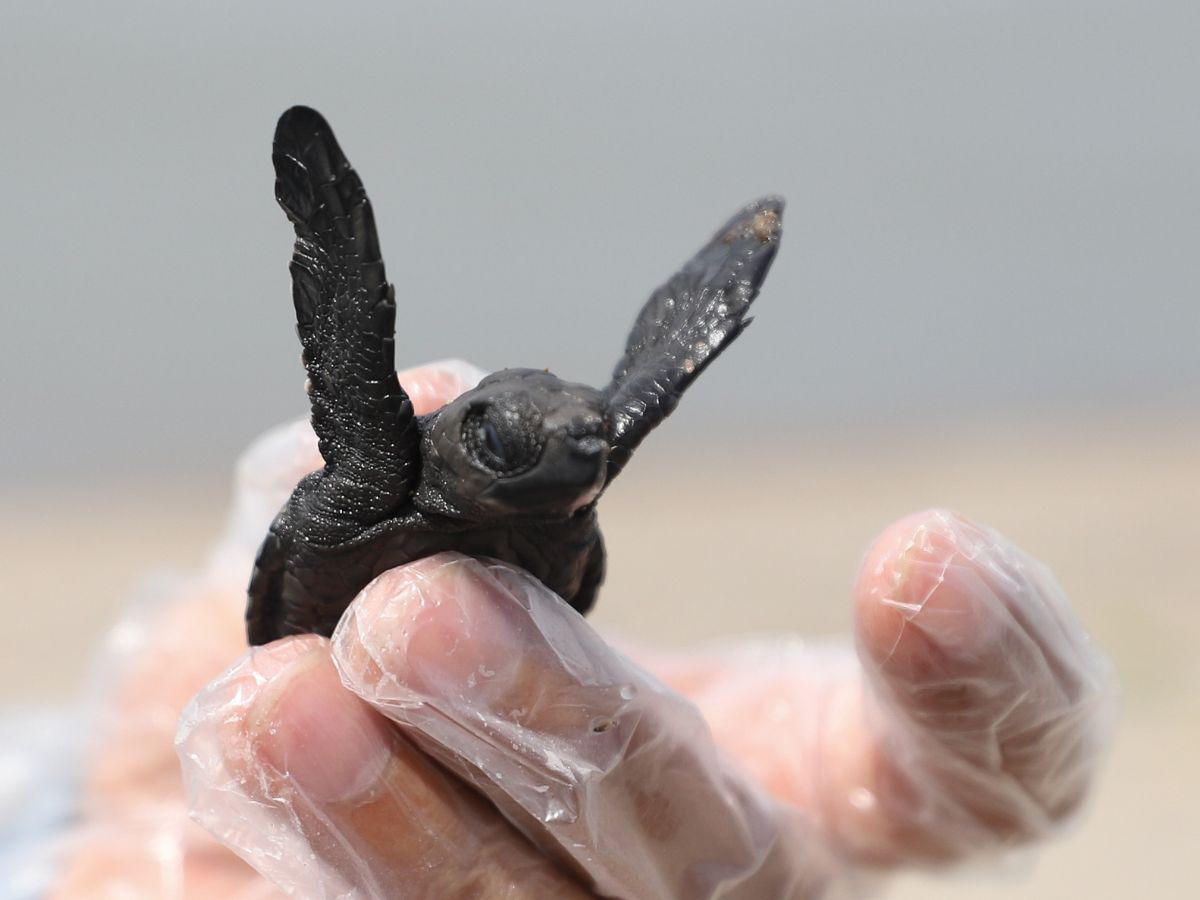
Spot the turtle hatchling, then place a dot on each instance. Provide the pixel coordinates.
(513, 468)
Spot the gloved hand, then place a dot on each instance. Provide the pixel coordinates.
(466, 733)
(134, 838)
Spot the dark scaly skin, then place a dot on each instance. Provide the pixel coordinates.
(511, 469)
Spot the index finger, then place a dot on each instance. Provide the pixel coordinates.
(594, 760)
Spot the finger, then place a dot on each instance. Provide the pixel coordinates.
(974, 722)
(989, 705)
(320, 794)
(271, 467)
(772, 705)
(505, 685)
(435, 384)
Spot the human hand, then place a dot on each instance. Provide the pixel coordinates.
(135, 838)
(466, 733)
(974, 726)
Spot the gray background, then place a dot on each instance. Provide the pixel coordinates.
(994, 207)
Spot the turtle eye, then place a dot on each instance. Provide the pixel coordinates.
(495, 446)
(503, 439)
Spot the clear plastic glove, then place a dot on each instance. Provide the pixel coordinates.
(135, 837)
(466, 733)
(463, 719)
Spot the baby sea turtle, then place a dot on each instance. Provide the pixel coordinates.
(511, 469)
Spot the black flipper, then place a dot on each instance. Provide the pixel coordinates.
(687, 322)
(368, 435)
(346, 318)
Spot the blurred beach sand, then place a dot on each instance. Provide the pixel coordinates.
(740, 540)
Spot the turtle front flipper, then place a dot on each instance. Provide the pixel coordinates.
(687, 322)
(345, 317)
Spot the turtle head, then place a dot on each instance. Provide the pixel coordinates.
(523, 443)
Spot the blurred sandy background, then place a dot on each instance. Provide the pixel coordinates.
(986, 299)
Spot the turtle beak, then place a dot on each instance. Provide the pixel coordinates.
(591, 454)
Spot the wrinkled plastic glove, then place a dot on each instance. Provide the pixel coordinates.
(466, 733)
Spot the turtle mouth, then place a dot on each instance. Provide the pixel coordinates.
(592, 454)
(587, 451)
(583, 463)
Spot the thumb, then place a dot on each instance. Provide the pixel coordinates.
(321, 795)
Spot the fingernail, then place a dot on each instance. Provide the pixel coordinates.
(317, 736)
(922, 588)
(920, 566)
(909, 561)
(244, 683)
